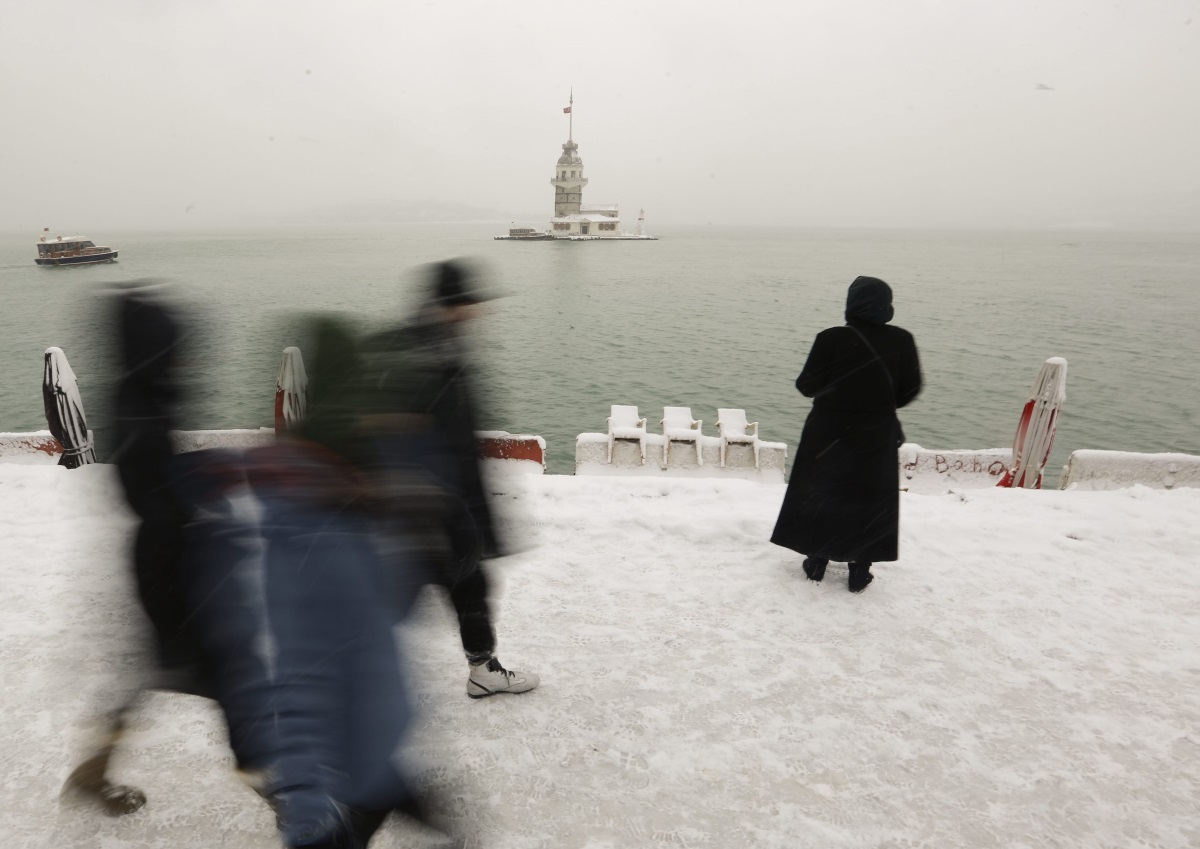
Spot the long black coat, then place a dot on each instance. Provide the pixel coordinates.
(843, 499)
(144, 414)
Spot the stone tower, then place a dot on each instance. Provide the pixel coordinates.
(568, 179)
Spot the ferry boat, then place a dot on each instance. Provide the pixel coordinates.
(72, 250)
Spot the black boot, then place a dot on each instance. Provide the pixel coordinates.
(860, 576)
(814, 567)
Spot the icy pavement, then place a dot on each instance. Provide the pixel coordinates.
(1027, 676)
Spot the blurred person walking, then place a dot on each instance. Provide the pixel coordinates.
(338, 712)
(261, 576)
(148, 339)
(843, 498)
(426, 408)
(145, 412)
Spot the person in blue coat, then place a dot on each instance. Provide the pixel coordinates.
(337, 700)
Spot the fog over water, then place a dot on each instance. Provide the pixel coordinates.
(182, 114)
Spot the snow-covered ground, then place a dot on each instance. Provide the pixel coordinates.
(1028, 675)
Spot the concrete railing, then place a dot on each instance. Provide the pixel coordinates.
(1102, 470)
(502, 451)
(923, 470)
(34, 447)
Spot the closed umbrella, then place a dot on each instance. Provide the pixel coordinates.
(291, 391)
(1035, 431)
(64, 411)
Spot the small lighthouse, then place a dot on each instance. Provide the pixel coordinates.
(568, 179)
(572, 219)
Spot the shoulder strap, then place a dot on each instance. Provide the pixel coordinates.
(875, 354)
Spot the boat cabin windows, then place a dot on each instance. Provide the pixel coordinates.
(47, 248)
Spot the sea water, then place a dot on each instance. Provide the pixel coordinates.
(703, 318)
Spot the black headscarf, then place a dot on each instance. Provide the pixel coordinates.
(870, 300)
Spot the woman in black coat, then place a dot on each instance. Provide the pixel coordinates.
(843, 499)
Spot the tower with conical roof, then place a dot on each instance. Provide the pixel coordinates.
(568, 179)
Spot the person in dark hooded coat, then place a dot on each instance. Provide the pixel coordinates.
(149, 335)
(843, 498)
(144, 414)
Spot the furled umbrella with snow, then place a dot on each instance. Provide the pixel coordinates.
(64, 410)
(1035, 430)
(291, 391)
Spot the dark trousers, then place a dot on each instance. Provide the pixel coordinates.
(436, 529)
(469, 595)
(159, 565)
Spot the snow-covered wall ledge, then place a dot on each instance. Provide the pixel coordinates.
(591, 458)
(199, 440)
(502, 452)
(1103, 470)
(923, 470)
(506, 453)
(35, 447)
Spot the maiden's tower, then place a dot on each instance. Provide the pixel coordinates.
(573, 219)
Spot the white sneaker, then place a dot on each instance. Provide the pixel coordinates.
(488, 679)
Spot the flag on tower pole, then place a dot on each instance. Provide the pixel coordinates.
(566, 109)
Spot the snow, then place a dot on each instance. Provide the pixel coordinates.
(1026, 676)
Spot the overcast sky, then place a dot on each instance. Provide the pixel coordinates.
(930, 113)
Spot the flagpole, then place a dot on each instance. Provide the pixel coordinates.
(571, 120)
